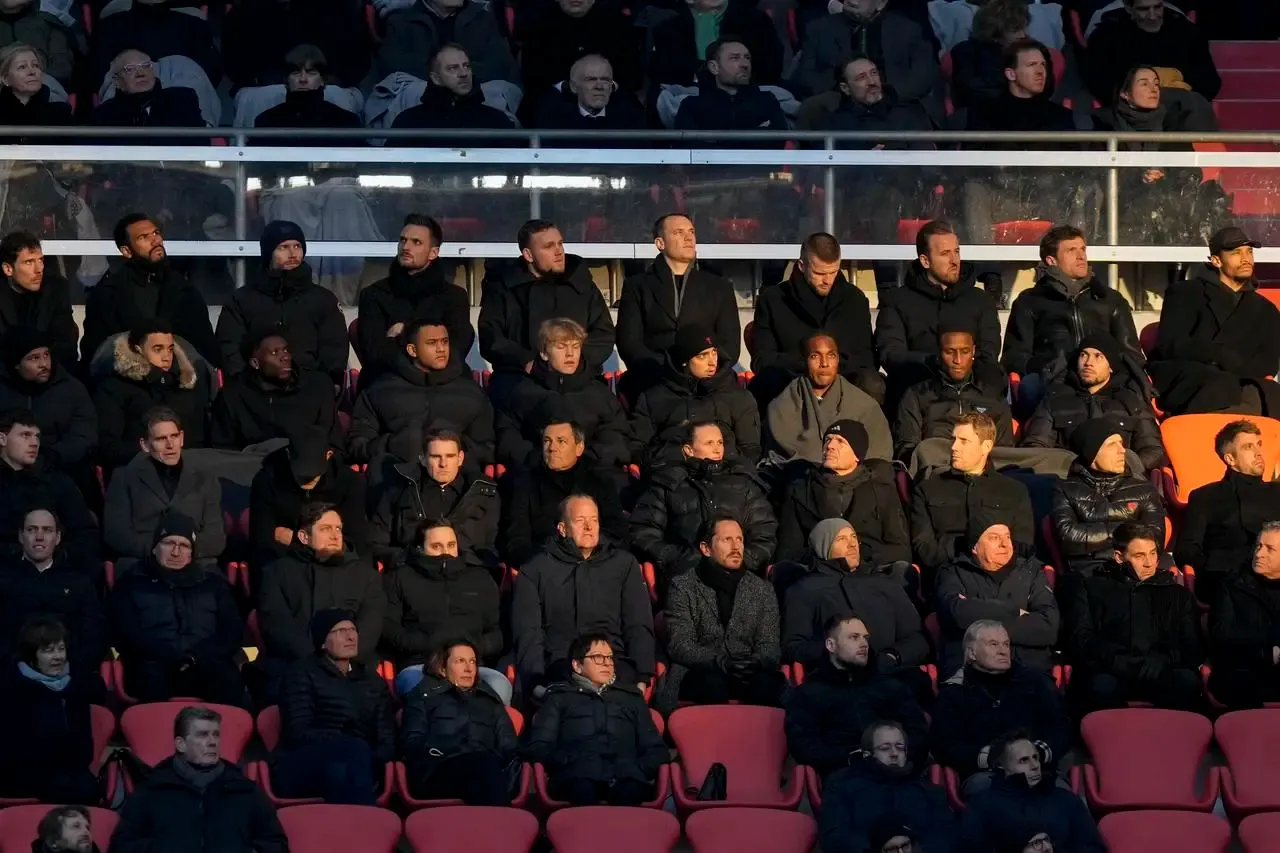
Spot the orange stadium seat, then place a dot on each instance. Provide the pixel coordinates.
(1259, 833)
(628, 830)
(18, 826)
(402, 778)
(1188, 439)
(1166, 831)
(1250, 740)
(340, 829)
(1147, 758)
(749, 741)
(471, 829)
(738, 830)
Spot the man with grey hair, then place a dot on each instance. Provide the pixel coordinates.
(990, 695)
(197, 800)
(590, 100)
(140, 99)
(1244, 646)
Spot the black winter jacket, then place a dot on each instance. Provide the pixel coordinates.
(1222, 521)
(974, 708)
(318, 702)
(749, 108)
(167, 616)
(111, 307)
(38, 486)
(1067, 404)
(648, 319)
(942, 505)
(977, 72)
(1117, 624)
(65, 590)
(789, 312)
(827, 714)
(403, 498)
(929, 410)
(64, 412)
(512, 311)
(169, 815)
(1244, 624)
(559, 110)
(1088, 506)
(47, 310)
(176, 106)
(442, 721)
(1117, 44)
(250, 409)
(856, 801)
(674, 57)
(308, 110)
(559, 595)
(681, 498)
(1011, 806)
(306, 314)
(440, 109)
(51, 731)
(297, 586)
(392, 414)
(1046, 324)
(882, 603)
(663, 413)
(555, 41)
(434, 599)
(966, 593)
(38, 111)
(403, 298)
(867, 499)
(582, 396)
(276, 500)
(137, 499)
(580, 732)
(531, 504)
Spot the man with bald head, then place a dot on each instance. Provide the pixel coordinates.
(590, 99)
(452, 100)
(141, 101)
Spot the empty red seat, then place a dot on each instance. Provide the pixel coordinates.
(909, 228)
(341, 829)
(1165, 831)
(1021, 232)
(1245, 54)
(460, 228)
(749, 741)
(1250, 741)
(526, 776)
(1247, 114)
(1147, 337)
(148, 729)
(1245, 83)
(1260, 833)
(617, 829)
(738, 229)
(18, 826)
(739, 830)
(471, 829)
(1147, 758)
(269, 730)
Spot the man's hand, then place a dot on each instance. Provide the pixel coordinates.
(1022, 612)
(644, 687)
(283, 535)
(1150, 176)
(1275, 655)
(395, 330)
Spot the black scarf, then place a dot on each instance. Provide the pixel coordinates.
(724, 583)
(1127, 117)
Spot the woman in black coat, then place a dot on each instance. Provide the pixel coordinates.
(25, 99)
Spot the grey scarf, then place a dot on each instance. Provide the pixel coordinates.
(198, 777)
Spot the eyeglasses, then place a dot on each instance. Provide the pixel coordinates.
(135, 67)
(905, 847)
(176, 546)
(1040, 842)
(600, 660)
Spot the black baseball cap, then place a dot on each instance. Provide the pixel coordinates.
(1231, 237)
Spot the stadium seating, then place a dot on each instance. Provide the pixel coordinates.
(340, 829)
(588, 829)
(1147, 338)
(18, 827)
(1259, 833)
(1165, 831)
(522, 795)
(1193, 461)
(1146, 758)
(1250, 742)
(471, 829)
(1229, 55)
(260, 771)
(749, 741)
(148, 729)
(662, 789)
(740, 830)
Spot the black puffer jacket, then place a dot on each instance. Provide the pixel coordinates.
(442, 721)
(1244, 623)
(392, 414)
(856, 801)
(681, 498)
(163, 615)
(827, 714)
(1117, 623)
(1046, 324)
(403, 298)
(306, 314)
(663, 414)
(318, 702)
(582, 396)
(1010, 809)
(531, 506)
(789, 312)
(830, 588)
(276, 500)
(111, 306)
(403, 498)
(250, 409)
(929, 410)
(967, 593)
(64, 412)
(581, 732)
(434, 599)
(942, 505)
(1222, 521)
(867, 499)
(1067, 404)
(1088, 506)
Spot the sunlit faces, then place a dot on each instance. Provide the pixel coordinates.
(994, 548)
(163, 442)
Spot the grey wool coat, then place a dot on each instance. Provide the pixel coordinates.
(695, 636)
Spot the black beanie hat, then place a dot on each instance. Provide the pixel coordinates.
(982, 521)
(852, 432)
(175, 524)
(21, 340)
(1105, 344)
(1089, 437)
(324, 621)
(277, 232)
(690, 340)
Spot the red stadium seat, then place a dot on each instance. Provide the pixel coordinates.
(738, 830)
(749, 337)
(946, 64)
(1193, 462)
(522, 796)
(628, 830)
(1165, 831)
(340, 829)
(749, 741)
(1245, 54)
(1272, 295)
(260, 771)
(148, 729)
(738, 229)
(1250, 740)
(662, 789)
(471, 829)
(1259, 833)
(1245, 83)
(1147, 758)
(909, 228)
(18, 826)
(462, 228)
(1021, 232)
(1147, 337)
(1247, 115)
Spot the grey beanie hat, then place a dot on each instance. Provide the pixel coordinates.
(824, 533)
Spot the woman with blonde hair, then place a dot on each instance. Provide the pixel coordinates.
(24, 94)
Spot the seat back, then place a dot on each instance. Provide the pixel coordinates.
(1147, 754)
(148, 729)
(103, 724)
(18, 826)
(1166, 831)
(340, 829)
(1188, 439)
(471, 829)
(517, 719)
(268, 724)
(748, 740)
(732, 830)
(1260, 833)
(1250, 741)
(1147, 337)
(628, 830)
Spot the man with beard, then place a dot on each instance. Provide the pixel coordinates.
(36, 299)
(452, 100)
(414, 288)
(282, 295)
(32, 378)
(144, 286)
(727, 99)
(270, 398)
(65, 829)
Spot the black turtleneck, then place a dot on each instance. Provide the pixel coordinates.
(169, 476)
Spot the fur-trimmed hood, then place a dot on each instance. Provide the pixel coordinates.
(130, 364)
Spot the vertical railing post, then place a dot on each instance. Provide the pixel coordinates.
(535, 193)
(829, 191)
(1113, 220)
(242, 207)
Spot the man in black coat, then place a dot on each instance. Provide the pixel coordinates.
(675, 58)
(33, 377)
(195, 800)
(427, 387)
(1098, 382)
(569, 30)
(414, 289)
(337, 724)
(305, 106)
(681, 498)
(1244, 645)
(929, 408)
(1219, 529)
(828, 714)
(817, 297)
(727, 99)
(271, 398)
(437, 485)
(36, 298)
(846, 485)
(1133, 631)
(989, 697)
(175, 625)
(453, 100)
(587, 101)
(657, 303)
(27, 482)
(579, 581)
(282, 296)
(1098, 495)
(140, 99)
(1219, 338)
(532, 494)
(145, 285)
